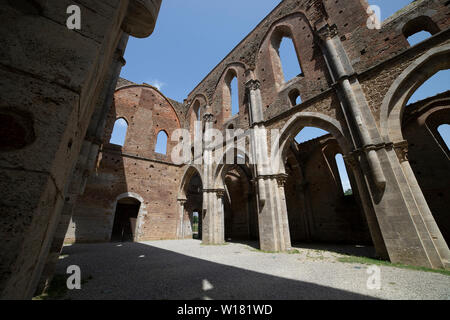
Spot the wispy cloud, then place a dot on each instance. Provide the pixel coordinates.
(157, 84)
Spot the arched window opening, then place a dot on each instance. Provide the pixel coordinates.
(425, 127)
(289, 59)
(419, 29)
(444, 131)
(196, 110)
(119, 132)
(230, 98)
(234, 92)
(294, 97)
(161, 143)
(436, 84)
(345, 181)
(309, 133)
(418, 37)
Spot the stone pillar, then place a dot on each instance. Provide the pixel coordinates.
(213, 211)
(64, 90)
(437, 240)
(273, 223)
(398, 216)
(181, 210)
(213, 217)
(85, 164)
(360, 120)
(283, 214)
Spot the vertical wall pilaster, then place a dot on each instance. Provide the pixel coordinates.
(396, 210)
(213, 217)
(181, 210)
(273, 223)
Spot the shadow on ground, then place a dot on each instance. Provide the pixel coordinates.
(141, 271)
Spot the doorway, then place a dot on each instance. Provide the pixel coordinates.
(124, 227)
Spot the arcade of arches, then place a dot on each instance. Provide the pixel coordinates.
(355, 84)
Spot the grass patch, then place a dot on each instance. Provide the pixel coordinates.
(214, 245)
(263, 251)
(57, 289)
(292, 251)
(370, 261)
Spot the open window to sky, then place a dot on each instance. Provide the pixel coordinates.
(289, 60)
(161, 143)
(119, 133)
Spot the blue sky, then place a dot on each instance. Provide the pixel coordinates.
(192, 37)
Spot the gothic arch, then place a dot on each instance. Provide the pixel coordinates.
(223, 89)
(189, 172)
(222, 168)
(201, 99)
(309, 119)
(281, 22)
(403, 88)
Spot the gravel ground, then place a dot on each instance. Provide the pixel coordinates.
(185, 269)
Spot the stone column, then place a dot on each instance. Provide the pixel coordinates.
(397, 213)
(213, 217)
(181, 210)
(85, 164)
(283, 214)
(273, 224)
(438, 242)
(360, 120)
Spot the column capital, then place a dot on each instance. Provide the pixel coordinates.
(208, 117)
(213, 190)
(401, 149)
(281, 179)
(352, 160)
(327, 32)
(182, 201)
(252, 85)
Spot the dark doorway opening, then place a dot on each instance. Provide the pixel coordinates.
(124, 226)
(192, 224)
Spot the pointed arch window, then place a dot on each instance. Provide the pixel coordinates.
(343, 175)
(119, 132)
(161, 142)
(289, 60)
(234, 96)
(231, 94)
